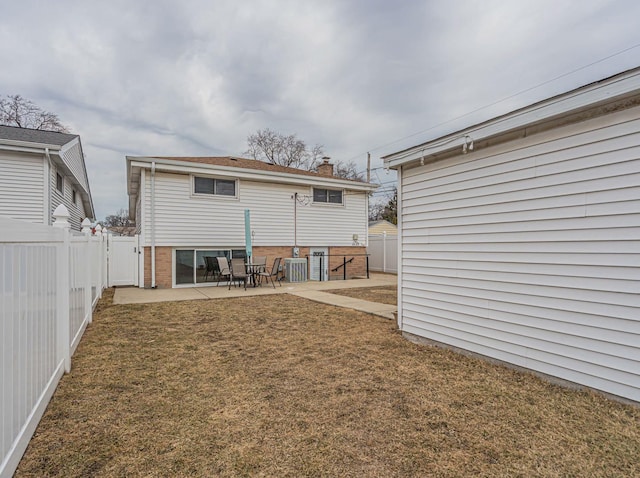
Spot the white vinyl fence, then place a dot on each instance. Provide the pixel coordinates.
(383, 253)
(50, 280)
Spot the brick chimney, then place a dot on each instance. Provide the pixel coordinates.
(326, 168)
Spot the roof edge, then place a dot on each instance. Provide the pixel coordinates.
(583, 98)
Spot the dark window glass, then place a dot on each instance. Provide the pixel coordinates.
(73, 196)
(239, 254)
(319, 195)
(59, 182)
(335, 197)
(203, 185)
(225, 187)
(220, 187)
(184, 267)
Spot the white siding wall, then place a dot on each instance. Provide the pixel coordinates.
(76, 210)
(72, 157)
(529, 252)
(138, 215)
(22, 186)
(186, 220)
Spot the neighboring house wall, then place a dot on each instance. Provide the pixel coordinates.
(381, 227)
(71, 154)
(138, 215)
(22, 186)
(185, 220)
(76, 210)
(529, 252)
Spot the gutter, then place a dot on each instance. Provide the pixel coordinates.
(47, 206)
(585, 102)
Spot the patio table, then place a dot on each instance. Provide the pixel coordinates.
(253, 270)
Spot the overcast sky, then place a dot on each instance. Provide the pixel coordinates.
(195, 78)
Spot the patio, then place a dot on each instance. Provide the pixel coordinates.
(287, 387)
(312, 290)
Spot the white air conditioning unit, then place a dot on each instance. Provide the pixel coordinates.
(295, 270)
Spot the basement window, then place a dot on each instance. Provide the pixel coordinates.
(329, 196)
(214, 186)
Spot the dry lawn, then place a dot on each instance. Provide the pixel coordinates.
(383, 294)
(286, 387)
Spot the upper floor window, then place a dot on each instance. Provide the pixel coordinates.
(214, 186)
(74, 197)
(331, 196)
(59, 182)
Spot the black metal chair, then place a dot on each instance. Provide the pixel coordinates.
(210, 267)
(274, 272)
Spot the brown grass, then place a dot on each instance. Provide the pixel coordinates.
(384, 294)
(286, 387)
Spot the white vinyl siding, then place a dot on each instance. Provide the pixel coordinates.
(138, 215)
(76, 211)
(529, 252)
(71, 154)
(22, 186)
(186, 220)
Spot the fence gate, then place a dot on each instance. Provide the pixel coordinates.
(123, 260)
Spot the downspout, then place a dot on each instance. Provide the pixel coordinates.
(153, 225)
(399, 250)
(47, 206)
(295, 219)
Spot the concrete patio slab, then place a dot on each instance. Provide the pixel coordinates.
(375, 308)
(312, 290)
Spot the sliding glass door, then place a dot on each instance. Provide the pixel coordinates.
(200, 266)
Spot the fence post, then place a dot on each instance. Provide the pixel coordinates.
(107, 253)
(98, 230)
(61, 216)
(384, 251)
(86, 230)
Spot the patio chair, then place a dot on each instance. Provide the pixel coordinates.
(260, 262)
(238, 273)
(275, 271)
(225, 270)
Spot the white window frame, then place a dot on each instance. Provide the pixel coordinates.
(192, 179)
(327, 203)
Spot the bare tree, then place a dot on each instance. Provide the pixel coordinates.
(386, 209)
(119, 219)
(18, 111)
(347, 170)
(275, 148)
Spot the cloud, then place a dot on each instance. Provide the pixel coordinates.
(197, 77)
